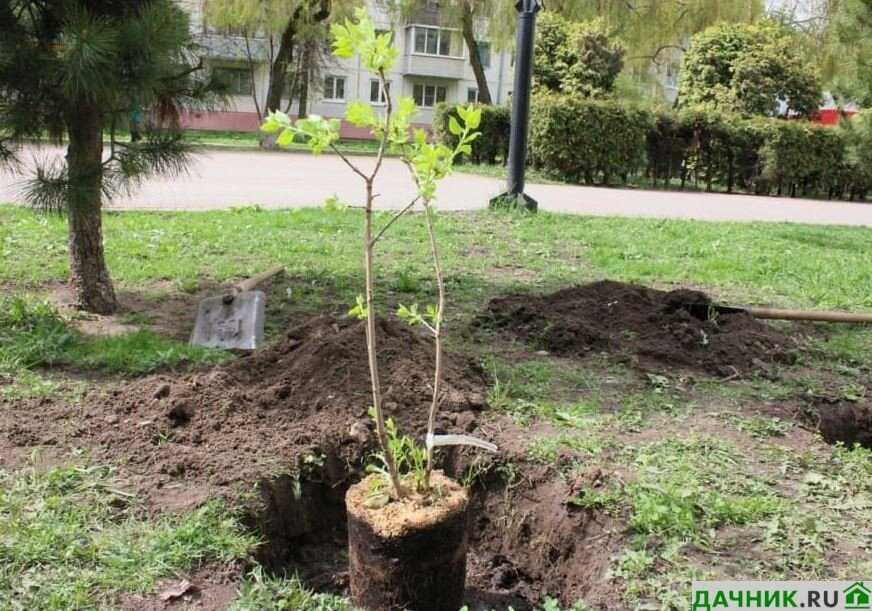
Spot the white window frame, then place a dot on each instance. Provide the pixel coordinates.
(439, 32)
(435, 94)
(469, 94)
(383, 91)
(330, 96)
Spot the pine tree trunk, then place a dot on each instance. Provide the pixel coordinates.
(484, 95)
(89, 277)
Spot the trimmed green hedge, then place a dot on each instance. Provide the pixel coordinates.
(493, 144)
(603, 142)
(587, 140)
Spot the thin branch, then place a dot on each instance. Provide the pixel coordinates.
(384, 141)
(653, 57)
(198, 66)
(348, 163)
(394, 219)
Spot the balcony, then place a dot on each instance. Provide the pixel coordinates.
(437, 66)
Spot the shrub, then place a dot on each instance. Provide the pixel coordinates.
(798, 157)
(590, 141)
(857, 169)
(593, 141)
(493, 144)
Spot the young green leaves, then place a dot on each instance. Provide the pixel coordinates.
(413, 317)
(359, 311)
(376, 50)
(319, 132)
(432, 162)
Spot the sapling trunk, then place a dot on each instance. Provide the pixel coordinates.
(437, 333)
(372, 346)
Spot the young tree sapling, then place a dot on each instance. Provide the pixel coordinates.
(428, 163)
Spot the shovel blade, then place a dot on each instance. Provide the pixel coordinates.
(235, 325)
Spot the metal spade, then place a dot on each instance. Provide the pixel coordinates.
(234, 320)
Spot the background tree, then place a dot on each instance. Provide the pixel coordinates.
(749, 69)
(284, 27)
(578, 58)
(850, 38)
(79, 70)
(649, 29)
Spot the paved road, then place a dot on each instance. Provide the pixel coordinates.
(222, 179)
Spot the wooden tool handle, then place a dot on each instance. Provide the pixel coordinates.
(811, 315)
(250, 283)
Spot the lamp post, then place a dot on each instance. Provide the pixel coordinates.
(514, 197)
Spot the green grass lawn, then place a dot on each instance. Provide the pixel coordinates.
(759, 263)
(702, 481)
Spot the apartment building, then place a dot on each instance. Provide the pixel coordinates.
(433, 67)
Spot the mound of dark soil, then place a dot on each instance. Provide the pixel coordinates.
(284, 404)
(648, 328)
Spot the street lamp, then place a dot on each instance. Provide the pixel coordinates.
(514, 197)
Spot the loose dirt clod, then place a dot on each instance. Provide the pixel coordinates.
(647, 328)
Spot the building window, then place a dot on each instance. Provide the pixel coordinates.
(433, 41)
(427, 96)
(377, 92)
(334, 88)
(237, 80)
(484, 53)
(472, 95)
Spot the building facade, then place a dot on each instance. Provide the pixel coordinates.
(433, 67)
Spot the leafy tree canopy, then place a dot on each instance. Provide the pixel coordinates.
(578, 58)
(750, 69)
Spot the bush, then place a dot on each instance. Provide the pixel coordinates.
(589, 141)
(857, 169)
(801, 158)
(493, 144)
(586, 140)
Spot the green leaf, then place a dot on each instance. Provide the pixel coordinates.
(359, 311)
(285, 138)
(454, 126)
(473, 117)
(360, 114)
(275, 122)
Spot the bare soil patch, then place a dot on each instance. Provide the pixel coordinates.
(646, 328)
(289, 424)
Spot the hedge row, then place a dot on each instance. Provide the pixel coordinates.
(600, 142)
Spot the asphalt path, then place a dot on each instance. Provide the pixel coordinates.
(222, 179)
